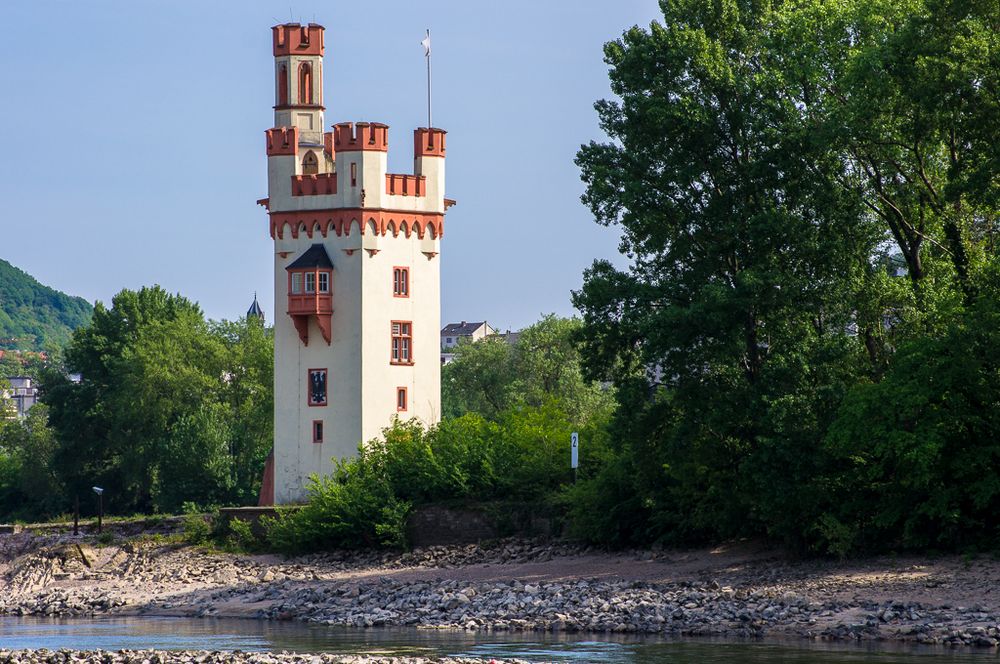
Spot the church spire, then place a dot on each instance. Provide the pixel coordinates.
(255, 311)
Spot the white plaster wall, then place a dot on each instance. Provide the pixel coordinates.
(380, 378)
(433, 169)
(296, 456)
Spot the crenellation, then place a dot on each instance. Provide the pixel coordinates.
(282, 141)
(351, 136)
(405, 185)
(322, 184)
(297, 39)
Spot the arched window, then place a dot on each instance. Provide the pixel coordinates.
(283, 86)
(310, 165)
(305, 83)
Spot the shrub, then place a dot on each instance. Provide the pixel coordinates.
(197, 530)
(354, 508)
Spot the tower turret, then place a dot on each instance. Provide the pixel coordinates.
(298, 80)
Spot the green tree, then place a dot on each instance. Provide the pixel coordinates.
(170, 410)
(29, 487)
(727, 334)
(492, 376)
(480, 379)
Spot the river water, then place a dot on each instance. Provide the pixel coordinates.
(222, 634)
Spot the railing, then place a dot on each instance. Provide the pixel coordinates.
(405, 185)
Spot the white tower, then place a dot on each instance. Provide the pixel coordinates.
(356, 275)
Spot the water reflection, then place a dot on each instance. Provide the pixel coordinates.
(228, 634)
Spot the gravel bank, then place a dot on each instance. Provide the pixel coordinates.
(516, 586)
(204, 657)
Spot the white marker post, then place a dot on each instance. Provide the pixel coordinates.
(574, 453)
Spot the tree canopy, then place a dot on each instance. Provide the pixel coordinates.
(767, 162)
(170, 409)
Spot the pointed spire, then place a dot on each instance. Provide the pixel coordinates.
(255, 310)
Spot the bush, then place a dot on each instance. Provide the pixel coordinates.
(241, 535)
(365, 503)
(197, 529)
(354, 508)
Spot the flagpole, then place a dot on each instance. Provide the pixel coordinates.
(429, 125)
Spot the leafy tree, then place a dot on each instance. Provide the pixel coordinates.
(29, 487)
(170, 410)
(745, 259)
(917, 453)
(768, 162)
(491, 376)
(480, 379)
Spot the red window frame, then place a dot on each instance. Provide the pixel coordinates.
(402, 400)
(326, 387)
(401, 342)
(317, 430)
(400, 281)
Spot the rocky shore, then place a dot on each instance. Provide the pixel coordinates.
(742, 591)
(204, 657)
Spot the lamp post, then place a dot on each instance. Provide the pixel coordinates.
(100, 507)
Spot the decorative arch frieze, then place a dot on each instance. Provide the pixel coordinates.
(348, 221)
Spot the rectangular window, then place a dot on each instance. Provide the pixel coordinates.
(401, 281)
(400, 399)
(317, 431)
(317, 387)
(402, 342)
(354, 174)
(324, 282)
(310, 282)
(296, 283)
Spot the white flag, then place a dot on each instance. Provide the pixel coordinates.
(426, 43)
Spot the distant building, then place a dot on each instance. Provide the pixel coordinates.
(22, 393)
(452, 333)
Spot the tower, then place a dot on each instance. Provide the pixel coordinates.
(356, 274)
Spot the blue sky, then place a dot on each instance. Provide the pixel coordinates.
(133, 150)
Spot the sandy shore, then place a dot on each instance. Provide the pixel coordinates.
(738, 590)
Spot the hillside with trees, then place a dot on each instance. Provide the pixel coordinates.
(34, 316)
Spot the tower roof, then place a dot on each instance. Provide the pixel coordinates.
(314, 256)
(255, 309)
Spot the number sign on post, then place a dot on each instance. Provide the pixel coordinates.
(574, 455)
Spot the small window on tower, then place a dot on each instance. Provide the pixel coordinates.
(354, 174)
(401, 281)
(310, 282)
(317, 431)
(310, 165)
(305, 83)
(400, 399)
(283, 86)
(317, 387)
(296, 283)
(402, 342)
(324, 282)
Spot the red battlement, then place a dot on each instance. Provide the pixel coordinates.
(282, 141)
(428, 142)
(349, 136)
(297, 39)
